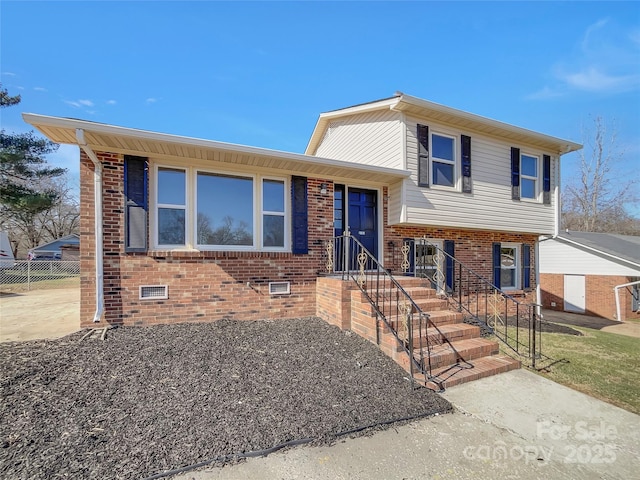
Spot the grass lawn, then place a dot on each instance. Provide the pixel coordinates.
(601, 364)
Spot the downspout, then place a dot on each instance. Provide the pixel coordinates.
(617, 294)
(97, 191)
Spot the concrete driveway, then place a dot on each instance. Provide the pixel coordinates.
(515, 425)
(39, 314)
(631, 329)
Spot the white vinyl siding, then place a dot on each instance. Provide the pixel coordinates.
(373, 139)
(556, 256)
(490, 206)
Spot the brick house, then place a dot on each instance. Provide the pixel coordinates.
(413, 168)
(193, 230)
(591, 273)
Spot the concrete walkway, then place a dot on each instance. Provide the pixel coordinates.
(515, 425)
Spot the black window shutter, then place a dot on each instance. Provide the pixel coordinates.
(546, 179)
(423, 155)
(496, 263)
(300, 222)
(136, 205)
(526, 266)
(515, 173)
(466, 163)
(449, 248)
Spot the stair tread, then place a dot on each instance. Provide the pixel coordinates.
(463, 372)
(462, 345)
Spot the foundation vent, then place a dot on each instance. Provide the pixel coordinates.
(279, 288)
(154, 292)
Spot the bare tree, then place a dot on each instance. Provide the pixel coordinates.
(28, 229)
(596, 199)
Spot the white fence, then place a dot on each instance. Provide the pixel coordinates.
(37, 274)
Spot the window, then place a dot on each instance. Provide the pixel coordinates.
(512, 266)
(509, 256)
(273, 213)
(443, 160)
(172, 206)
(525, 176)
(221, 211)
(528, 176)
(225, 210)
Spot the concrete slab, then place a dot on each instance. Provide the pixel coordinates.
(515, 425)
(39, 314)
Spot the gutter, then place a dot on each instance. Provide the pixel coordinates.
(616, 292)
(99, 251)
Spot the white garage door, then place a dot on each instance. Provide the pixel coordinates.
(574, 293)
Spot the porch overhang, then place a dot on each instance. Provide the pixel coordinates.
(130, 141)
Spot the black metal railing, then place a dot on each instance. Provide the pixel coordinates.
(347, 258)
(516, 324)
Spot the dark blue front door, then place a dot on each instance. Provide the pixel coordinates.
(363, 218)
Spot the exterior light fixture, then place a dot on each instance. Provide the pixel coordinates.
(323, 188)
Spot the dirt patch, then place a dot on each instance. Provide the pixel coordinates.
(150, 399)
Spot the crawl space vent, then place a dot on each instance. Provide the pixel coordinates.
(279, 288)
(154, 292)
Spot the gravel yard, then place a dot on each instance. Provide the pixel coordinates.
(151, 399)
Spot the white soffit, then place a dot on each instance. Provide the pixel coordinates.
(110, 138)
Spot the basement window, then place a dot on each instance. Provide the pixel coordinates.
(279, 288)
(154, 292)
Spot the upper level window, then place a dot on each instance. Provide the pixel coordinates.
(440, 160)
(528, 176)
(443, 160)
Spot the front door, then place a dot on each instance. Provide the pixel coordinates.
(362, 218)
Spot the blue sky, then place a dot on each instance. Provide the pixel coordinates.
(259, 73)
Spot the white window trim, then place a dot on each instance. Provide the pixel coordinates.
(433, 241)
(537, 178)
(157, 205)
(517, 266)
(191, 209)
(194, 214)
(286, 214)
(455, 162)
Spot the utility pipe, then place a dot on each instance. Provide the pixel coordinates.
(616, 292)
(97, 191)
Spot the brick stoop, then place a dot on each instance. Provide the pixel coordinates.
(457, 353)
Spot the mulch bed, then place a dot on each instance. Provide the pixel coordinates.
(150, 399)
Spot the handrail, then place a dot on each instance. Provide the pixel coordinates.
(348, 257)
(482, 302)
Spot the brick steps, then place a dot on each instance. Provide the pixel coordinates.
(456, 353)
(463, 372)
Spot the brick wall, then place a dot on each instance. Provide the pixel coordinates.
(207, 286)
(472, 247)
(203, 286)
(600, 299)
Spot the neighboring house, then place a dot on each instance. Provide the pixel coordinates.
(199, 230)
(593, 273)
(54, 249)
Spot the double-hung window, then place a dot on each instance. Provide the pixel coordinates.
(172, 206)
(509, 266)
(443, 160)
(528, 176)
(221, 211)
(273, 213)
